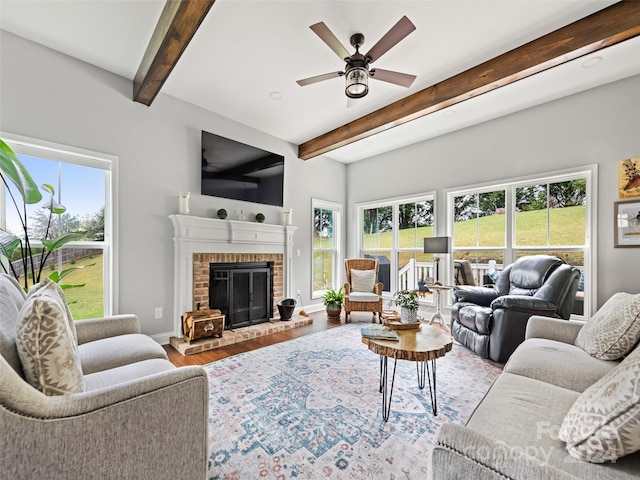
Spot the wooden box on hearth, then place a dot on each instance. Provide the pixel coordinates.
(201, 324)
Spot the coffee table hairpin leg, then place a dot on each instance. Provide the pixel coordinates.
(422, 370)
(386, 393)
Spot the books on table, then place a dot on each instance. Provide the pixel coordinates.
(378, 332)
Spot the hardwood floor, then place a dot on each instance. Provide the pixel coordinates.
(320, 323)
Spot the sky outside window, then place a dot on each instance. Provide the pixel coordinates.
(80, 189)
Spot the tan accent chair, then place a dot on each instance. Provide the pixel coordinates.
(355, 301)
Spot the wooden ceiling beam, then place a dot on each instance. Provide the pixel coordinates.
(176, 27)
(609, 26)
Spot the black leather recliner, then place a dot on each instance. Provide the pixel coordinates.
(492, 321)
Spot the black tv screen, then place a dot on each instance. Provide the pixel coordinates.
(237, 171)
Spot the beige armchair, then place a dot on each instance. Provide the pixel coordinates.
(138, 416)
(362, 293)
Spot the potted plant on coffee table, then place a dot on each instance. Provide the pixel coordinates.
(408, 302)
(332, 300)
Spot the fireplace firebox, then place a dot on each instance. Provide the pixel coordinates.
(243, 291)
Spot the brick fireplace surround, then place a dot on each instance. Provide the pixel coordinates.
(199, 241)
(201, 263)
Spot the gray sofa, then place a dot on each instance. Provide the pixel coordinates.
(139, 416)
(513, 432)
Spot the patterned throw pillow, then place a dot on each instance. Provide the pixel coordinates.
(54, 289)
(363, 280)
(604, 422)
(46, 344)
(614, 330)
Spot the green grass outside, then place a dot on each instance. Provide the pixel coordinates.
(567, 227)
(89, 300)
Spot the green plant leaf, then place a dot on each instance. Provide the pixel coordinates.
(66, 287)
(56, 277)
(13, 168)
(54, 206)
(8, 243)
(62, 240)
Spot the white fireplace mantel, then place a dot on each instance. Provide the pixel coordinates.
(210, 235)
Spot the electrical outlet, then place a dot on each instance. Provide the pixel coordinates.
(158, 313)
(297, 292)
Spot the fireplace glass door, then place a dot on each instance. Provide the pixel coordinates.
(242, 291)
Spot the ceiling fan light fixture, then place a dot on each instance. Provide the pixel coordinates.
(356, 82)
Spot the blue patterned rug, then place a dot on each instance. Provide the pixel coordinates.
(310, 408)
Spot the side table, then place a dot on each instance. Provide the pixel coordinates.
(437, 292)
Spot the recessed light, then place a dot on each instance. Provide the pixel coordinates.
(449, 113)
(591, 62)
(275, 95)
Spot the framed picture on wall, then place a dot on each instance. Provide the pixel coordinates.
(629, 178)
(626, 226)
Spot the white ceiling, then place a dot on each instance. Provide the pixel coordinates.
(245, 50)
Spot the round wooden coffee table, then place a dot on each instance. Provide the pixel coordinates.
(423, 346)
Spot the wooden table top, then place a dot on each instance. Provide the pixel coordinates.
(427, 343)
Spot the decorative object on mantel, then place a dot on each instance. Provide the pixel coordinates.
(222, 214)
(629, 178)
(260, 217)
(183, 203)
(288, 216)
(242, 217)
(626, 224)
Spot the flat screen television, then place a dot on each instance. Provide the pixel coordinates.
(237, 171)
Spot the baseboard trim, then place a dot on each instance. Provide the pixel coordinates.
(162, 338)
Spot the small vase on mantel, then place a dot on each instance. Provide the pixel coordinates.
(183, 203)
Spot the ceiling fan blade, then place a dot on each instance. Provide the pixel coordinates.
(318, 78)
(330, 39)
(402, 79)
(400, 30)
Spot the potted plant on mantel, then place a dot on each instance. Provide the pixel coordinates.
(408, 302)
(332, 300)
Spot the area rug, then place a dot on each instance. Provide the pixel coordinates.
(310, 408)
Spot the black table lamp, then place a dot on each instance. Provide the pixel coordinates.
(437, 245)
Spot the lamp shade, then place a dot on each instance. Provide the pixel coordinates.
(437, 245)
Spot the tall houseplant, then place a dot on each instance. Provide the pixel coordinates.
(34, 258)
(408, 302)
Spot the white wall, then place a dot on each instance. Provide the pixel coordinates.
(600, 126)
(49, 96)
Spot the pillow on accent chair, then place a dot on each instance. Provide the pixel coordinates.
(46, 342)
(363, 280)
(604, 422)
(614, 330)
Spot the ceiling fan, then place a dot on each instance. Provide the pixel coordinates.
(357, 69)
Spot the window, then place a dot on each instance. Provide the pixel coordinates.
(326, 246)
(547, 215)
(82, 183)
(479, 229)
(393, 232)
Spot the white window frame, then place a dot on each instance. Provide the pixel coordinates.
(336, 208)
(394, 250)
(590, 174)
(108, 163)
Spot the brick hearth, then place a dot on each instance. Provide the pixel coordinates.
(240, 335)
